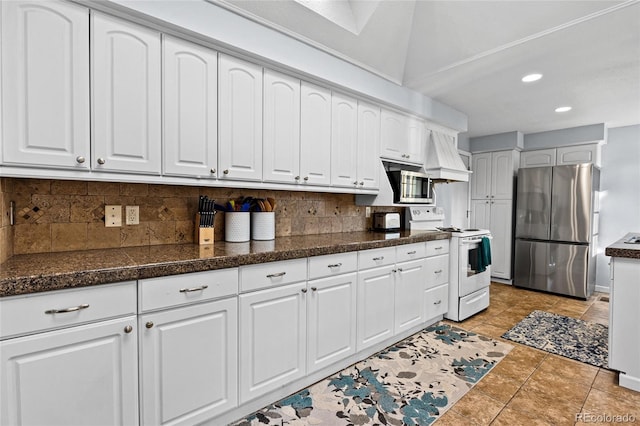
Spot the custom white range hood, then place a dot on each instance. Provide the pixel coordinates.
(442, 161)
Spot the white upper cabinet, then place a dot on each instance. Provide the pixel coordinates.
(315, 135)
(344, 144)
(126, 96)
(589, 153)
(401, 137)
(416, 140)
(538, 158)
(240, 119)
(190, 113)
(45, 84)
(368, 167)
(281, 139)
(481, 179)
(493, 174)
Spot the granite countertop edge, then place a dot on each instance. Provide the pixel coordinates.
(35, 273)
(624, 250)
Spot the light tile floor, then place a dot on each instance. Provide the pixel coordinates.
(532, 387)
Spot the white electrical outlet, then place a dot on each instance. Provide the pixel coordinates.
(112, 215)
(367, 211)
(132, 215)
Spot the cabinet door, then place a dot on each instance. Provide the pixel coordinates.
(240, 119)
(481, 177)
(281, 140)
(84, 375)
(436, 301)
(409, 294)
(589, 153)
(500, 226)
(416, 141)
(188, 363)
(190, 84)
(375, 306)
(393, 135)
(538, 158)
(368, 166)
(331, 320)
(126, 96)
(480, 214)
(502, 175)
(315, 135)
(272, 339)
(45, 84)
(344, 144)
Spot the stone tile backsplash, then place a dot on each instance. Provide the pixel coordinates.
(57, 215)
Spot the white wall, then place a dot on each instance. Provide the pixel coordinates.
(619, 193)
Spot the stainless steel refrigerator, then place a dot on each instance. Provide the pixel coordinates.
(556, 229)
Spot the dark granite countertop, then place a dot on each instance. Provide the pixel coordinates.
(623, 249)
(33, 273)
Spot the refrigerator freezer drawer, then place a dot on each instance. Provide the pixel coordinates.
(553, 267)
(473, 303)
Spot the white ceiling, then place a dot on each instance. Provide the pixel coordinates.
(471, 55)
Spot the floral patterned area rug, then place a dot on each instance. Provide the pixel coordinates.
(410, 383)
(573, 338)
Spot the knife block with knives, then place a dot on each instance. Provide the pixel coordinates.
(205, 221)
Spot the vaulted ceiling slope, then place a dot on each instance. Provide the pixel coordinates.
(471, 55)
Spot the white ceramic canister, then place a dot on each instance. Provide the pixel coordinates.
(263, 225)
(237, 227)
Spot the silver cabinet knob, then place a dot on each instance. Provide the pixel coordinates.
(304, 290)
(101, 161)
(361, 183)
(225, 171)
(355, 182)
(408, 155)
(149, 324)
(314, 288)
(306, 178)
(128, 329)
(297, 178)
(80, 159)
(213, 171)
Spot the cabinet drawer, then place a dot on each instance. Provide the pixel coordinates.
(163, 292)
(376, 257)
(56, 309)
(474, 302)
(264, 275)
(410, 252)
(436, 301)
(437, 247)
(332, 264)
(437, 270)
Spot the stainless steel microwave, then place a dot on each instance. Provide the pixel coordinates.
(410, 187)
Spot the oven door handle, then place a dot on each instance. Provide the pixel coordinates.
(475, 241)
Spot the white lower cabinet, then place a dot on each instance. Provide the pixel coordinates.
(409, 299)
(436, 301)
(188, 363)
(84, 374)
(331, 325)
(273, 337)
(375, 305)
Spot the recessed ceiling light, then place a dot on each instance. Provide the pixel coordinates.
(563, 109)
(529, 78)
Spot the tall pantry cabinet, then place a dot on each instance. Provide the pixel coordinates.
(492, 192)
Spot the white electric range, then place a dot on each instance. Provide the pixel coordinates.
(468, 281)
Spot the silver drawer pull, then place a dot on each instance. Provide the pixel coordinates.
(438, 302)
(378, 258)
(65, 310)
(438, 248)
(439, 271)
(189, 290)
(335, 265)
(411, 252)
(279, 274)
